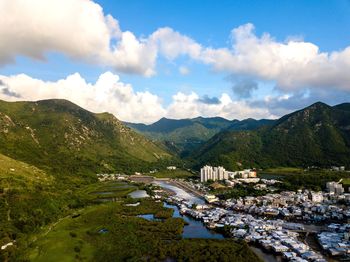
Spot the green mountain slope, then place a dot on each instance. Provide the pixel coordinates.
(14, 174)
(185, 135)
(249, 124)
(317, 135)
(344, 106)
(24, 199)
(59, 136)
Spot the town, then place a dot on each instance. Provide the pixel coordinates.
(299, 226)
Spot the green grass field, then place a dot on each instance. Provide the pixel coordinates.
(77, 238)
(346, 181)
(59, 244)
(127, 237)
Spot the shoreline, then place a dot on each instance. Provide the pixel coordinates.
(259, 251)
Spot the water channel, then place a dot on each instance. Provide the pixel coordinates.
(196, 229)
(139, 194)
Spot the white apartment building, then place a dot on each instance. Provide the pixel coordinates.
(213, 173)
(335, 188)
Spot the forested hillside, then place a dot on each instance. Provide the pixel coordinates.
(318, 135)
(61, 137)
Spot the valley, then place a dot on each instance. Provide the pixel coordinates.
(65, 204)
(118, 229)
(174, 131)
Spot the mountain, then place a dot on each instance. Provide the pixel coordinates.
(316, 135)
(249, 124)
(344, 106)
(61, 137)
(184, 135)
(165, 125)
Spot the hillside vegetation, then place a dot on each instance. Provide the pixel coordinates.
(29, 199)
(17, 174)
(185, 135)
(49, 207)
(318, 135)
(61, 137)
(127, 237)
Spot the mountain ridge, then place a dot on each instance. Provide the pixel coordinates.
(57, 134)
(184, 135)
(316, 135)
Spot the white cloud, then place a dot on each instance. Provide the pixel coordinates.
(80, 30)
(108, 94)
(133, 55)
(190, 106)
(77, 28)
(292, 65)
(172, 44)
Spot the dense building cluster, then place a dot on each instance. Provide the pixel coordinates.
(274, 221)
(302, 206)
(277, 235)
(336, 239)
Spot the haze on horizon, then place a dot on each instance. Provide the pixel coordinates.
(146, 60)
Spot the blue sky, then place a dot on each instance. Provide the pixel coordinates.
(210, 22)
(324, 24)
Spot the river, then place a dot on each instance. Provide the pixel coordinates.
(138, 194)
(196, 229)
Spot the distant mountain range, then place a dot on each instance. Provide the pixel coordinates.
(61, 137)
(318, 135)
(185, 135)
(58, 136)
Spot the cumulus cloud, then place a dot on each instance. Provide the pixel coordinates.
(292, 65)
(6, 91)
(77, 28)
(189, 106)
(107, 94)
(80, 30)
(172, 44)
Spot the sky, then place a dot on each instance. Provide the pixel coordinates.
(144, 60)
